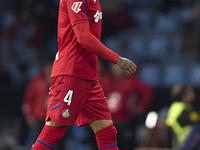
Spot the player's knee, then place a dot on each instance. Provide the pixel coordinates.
(98, 125)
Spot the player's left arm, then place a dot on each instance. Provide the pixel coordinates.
(79, 21)
(94, 45)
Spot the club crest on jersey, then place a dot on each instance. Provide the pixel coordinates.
(76, 6)
(66, 113)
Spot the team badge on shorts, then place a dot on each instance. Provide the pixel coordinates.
(66, 113)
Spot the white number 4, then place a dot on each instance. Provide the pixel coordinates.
(68, 97)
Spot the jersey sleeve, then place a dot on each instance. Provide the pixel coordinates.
(92, 44)
(77, 11)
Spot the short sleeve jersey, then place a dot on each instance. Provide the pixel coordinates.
(72, 58)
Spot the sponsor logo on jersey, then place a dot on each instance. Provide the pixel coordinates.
(66, 113)
(76, 6)
(97, 16)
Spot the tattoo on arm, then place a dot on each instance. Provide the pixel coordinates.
(123, 64)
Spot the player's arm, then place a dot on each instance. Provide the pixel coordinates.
(93, 45)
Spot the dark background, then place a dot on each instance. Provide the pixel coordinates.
(160, 36)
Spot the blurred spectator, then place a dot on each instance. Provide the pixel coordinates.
(181, 116)
(36, 101)
(4, 79)
(156, 134)
(128, 98)
(27, 37)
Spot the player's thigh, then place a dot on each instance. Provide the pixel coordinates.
(68, 95)
(95, 109)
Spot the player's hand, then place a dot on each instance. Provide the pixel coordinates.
(127, 66)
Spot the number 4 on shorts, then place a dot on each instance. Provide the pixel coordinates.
(68, 97)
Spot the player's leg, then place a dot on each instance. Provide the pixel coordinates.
(100, 124)
(97, 114)
(49, 136)
(64, 106)
(105, 134)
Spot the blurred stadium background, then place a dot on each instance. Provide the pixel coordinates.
(160, 36)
